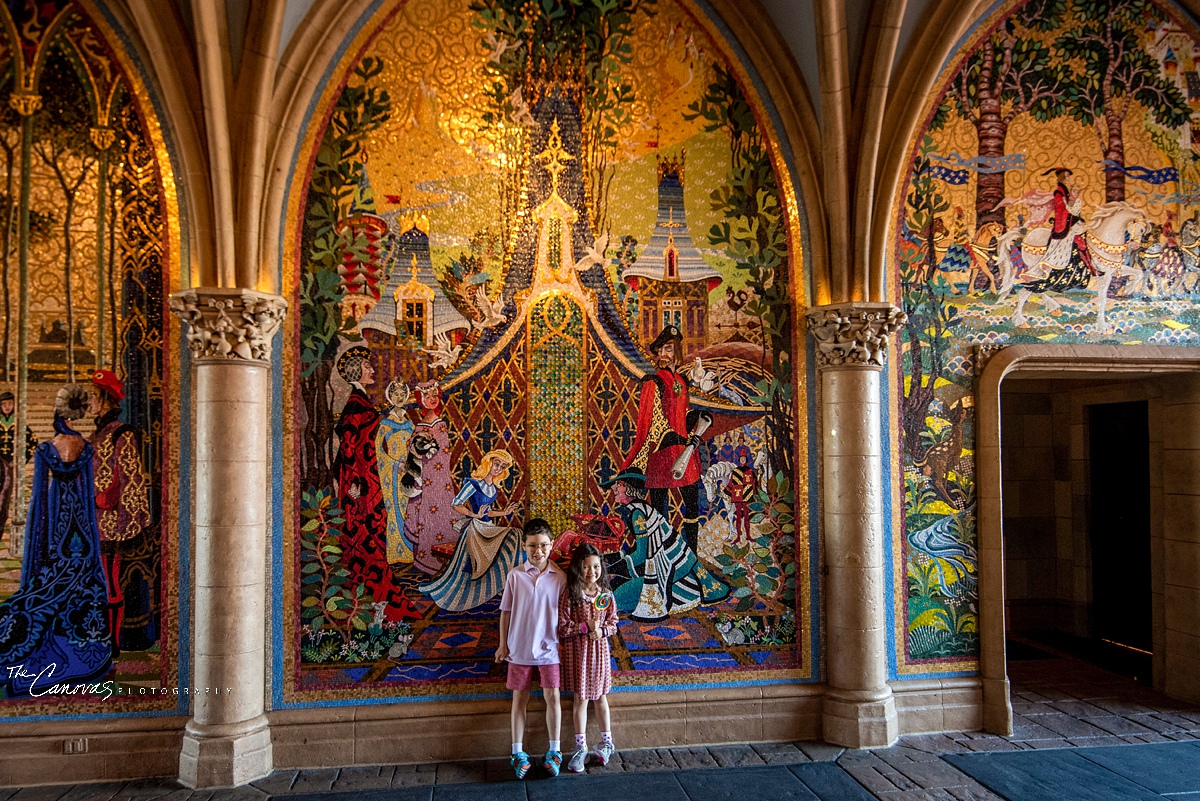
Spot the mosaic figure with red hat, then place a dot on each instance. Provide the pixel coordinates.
(122, 489)
(360, 494)
(668, 434)
(7, 451)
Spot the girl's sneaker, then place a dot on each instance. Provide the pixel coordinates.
(520, 764)
(604, 752)
(552, 762)
(578, 760)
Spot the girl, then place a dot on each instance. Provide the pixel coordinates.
(587, 617)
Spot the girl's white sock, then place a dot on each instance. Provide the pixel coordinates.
(606, 738)
(581, 741)
(556, 745)
(517, 748)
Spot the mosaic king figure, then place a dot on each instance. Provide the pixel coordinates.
(7, 428)
(122, 489)
(664, 432)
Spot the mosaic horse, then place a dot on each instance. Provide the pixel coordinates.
(1107, 244)
(964, 263)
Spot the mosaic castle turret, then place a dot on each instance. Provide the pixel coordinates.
(671, 277)
(413, 304)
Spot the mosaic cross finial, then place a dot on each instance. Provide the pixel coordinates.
(555, 156)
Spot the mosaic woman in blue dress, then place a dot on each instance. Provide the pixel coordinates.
(56, 625)
(485, 551)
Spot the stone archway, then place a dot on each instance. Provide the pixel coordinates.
(1050, 361)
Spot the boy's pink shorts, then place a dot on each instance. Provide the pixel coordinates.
(520, 677)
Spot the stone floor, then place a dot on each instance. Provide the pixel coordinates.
(1058, 703)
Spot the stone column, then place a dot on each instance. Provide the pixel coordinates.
(227, 741)
(851, 345)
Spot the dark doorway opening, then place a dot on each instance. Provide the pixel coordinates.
(1119, 535)
(1076, 461)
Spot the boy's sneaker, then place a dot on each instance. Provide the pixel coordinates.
(520, 764)
(578, 760)
(552, 762)
(604, 752)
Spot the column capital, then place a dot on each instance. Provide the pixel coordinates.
(229, 324)
(855, 334)
(25, 103)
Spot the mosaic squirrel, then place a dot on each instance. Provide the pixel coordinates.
(420, 448)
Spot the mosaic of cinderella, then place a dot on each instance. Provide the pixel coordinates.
(56, 624)
(486, 551)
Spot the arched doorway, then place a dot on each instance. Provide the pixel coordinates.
(1171, 528)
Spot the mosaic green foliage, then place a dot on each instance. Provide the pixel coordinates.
(754, 235)
(586, 43)
(337, 171)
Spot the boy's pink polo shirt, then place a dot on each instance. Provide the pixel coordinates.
(531, 599)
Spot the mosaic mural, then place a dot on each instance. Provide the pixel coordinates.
(87, 549)
(536, 246)
(1053, 195)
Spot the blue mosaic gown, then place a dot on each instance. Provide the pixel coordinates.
(56, 624)
(483, 557)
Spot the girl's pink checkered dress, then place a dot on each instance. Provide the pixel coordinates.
(586, 663)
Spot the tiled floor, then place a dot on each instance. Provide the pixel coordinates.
(1059, 703)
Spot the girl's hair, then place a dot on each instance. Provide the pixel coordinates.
(485, 465)
(428, 389)
(575, 572)
(71, 402)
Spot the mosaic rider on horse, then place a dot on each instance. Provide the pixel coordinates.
(1067, 263)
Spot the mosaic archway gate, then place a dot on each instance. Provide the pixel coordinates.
(1052, 196)
(499, 207)
(89, 247)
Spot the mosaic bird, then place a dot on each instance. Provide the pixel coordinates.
(498, 46)
(703, 380)
(443, 354)
(492, 312)
(593, 255)
(520, 109)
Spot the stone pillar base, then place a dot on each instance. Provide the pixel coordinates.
(860, 719)
(225, 756)
(997, 714)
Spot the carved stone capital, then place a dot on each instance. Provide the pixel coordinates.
(984, 354)
(853, 334)
(102, 137)
(25, 103)
(235, 324)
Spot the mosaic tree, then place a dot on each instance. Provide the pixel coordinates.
(63, 146)
(581, 42)
(336, 174)
(754, 235)
(1008, 75)
(1105, 67)
(40, 223)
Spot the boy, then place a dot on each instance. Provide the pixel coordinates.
(529, 639)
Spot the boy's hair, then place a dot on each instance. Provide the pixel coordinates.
(537, 526)
(575, 572)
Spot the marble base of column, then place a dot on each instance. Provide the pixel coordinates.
(217, 756)
(860, 719)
